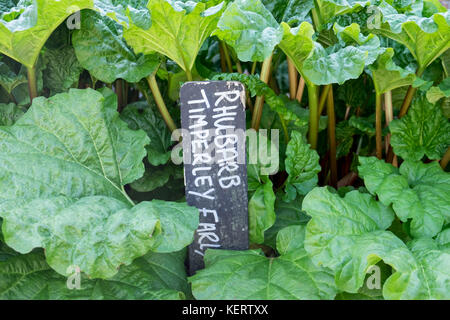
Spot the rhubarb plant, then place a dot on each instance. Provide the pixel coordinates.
(75, 202)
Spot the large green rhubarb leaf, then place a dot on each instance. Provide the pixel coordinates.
(248, 27)
(348, 235)
(417, 191)
(343, 61)
(424, 275)
(63, 168)
(177, 33)
(423, 131)
(336, 64)
(241, 275)
(297, 43)
(101, 49)
(153, 276)
(327, 237)
(23, 36)
(426, 38)
(25, 277)
(351, 36)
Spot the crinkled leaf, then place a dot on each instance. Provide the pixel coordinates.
(348, 235)
(101, 49)
(73, 232)
(334, 222)
(70, 156)
(10, 113)
(327, 10)
(177, 34)
(387, 75)
(141, 116)
(353, 92)
(372, 288)
(231, 275)
(18, 15)
(22, 38)
(443, 238)
(290, 11)
(7, 5)
(334, 64)
(425, 37)
(344, 138)
(153, 276)
(342, 61)
(25, 277)
(62, 69)
(351, 36)
(417, 191)
(297, 43)
(9, 79)
(425, 275)
(248, 27)
(78, 130)
(422, 131)
(126, 11)
(302, 166)
(363, 124)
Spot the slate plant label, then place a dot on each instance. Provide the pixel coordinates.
(213, 122)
